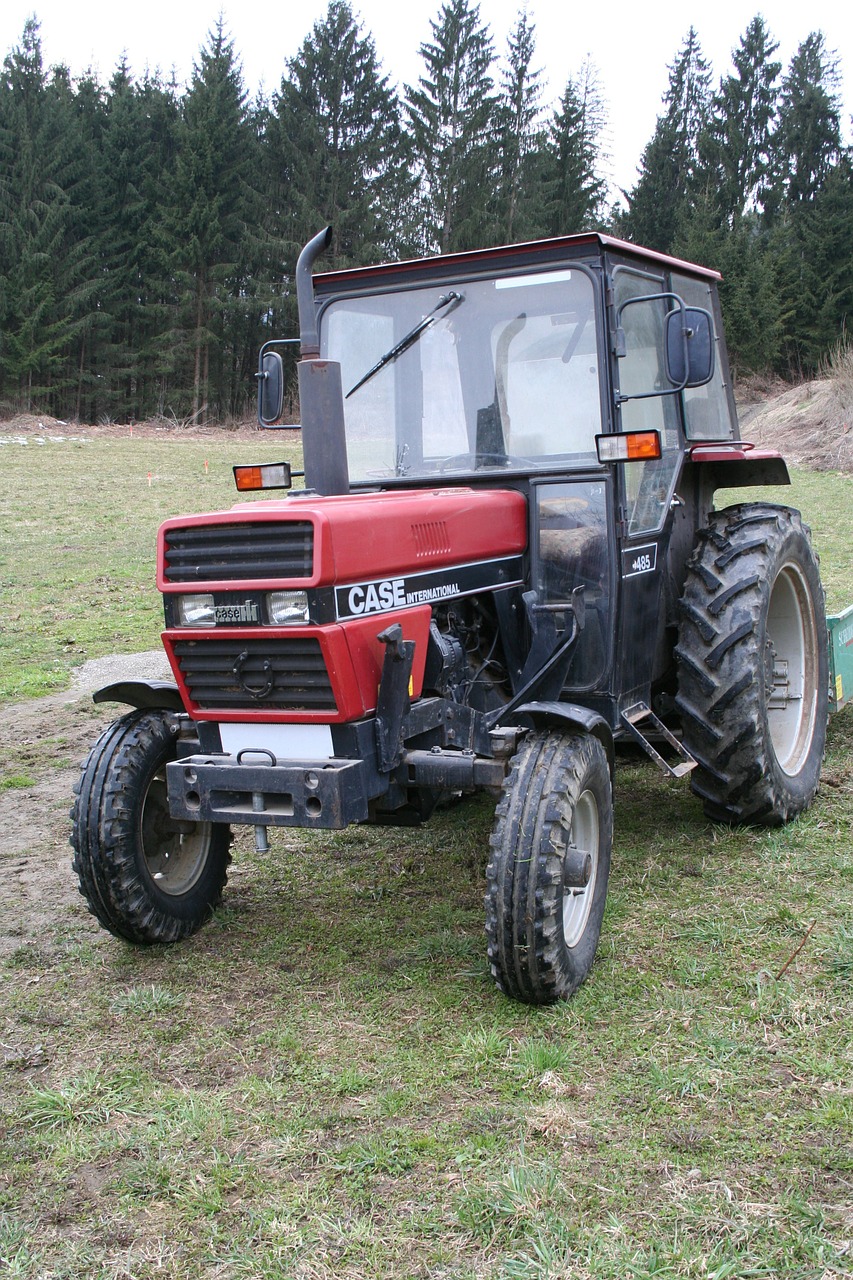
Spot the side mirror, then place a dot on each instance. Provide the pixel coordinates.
(689, 347)
(270, 377)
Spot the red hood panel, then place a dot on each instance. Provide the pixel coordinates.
(377, 535)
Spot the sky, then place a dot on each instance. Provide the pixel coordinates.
(630, 44)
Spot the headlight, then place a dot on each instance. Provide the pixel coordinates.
(288, 608)
(196, 611)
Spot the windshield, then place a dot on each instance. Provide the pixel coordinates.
(480, 375)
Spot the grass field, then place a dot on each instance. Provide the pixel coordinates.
(324, 1082)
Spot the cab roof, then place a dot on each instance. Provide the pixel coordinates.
(532, 253)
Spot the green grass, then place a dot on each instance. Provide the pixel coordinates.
(78, 538)
(324, 1083)
(314, 1086)
(826, 501)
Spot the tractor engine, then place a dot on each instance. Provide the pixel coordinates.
(280, 621)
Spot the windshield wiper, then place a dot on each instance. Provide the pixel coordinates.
(412, 336)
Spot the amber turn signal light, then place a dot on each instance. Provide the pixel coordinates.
(270, 475)
(628, 446)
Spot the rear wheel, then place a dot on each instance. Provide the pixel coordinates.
(549, 866)
(146, 876)
(753, 677)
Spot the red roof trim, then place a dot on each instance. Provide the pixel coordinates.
(476, 257)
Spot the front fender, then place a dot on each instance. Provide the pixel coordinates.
(146, 695)
(543, 714)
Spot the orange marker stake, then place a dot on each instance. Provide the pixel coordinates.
(205, 466)
(149, 479)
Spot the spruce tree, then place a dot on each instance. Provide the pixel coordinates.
(452, 122)
(210, 232)
(153, 334)
(82, 107)
(335, 148)
(521, 135)
(662, 195)
(808, 143)
(738, 143)
(814, 225)
(41, 280)
(137, 163)
(573, 183)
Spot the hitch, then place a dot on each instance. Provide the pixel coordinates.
(258, 802)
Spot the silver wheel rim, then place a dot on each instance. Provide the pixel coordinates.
(792, 665)
(584, 837)
(175, 852)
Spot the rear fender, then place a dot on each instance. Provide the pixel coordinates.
(736, 464)
(146, 695)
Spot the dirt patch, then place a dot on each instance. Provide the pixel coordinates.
(42, 744)
(811, 425)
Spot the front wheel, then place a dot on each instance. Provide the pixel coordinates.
(549, 866)
(146, 876)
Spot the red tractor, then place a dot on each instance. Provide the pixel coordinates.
(506, 559)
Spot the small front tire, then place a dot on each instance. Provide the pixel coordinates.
(549, 867)
(147, 877)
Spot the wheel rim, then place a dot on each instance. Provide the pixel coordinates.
(584, 838)
(792, 667)
(175, 852)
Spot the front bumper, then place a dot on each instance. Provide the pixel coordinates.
(326, 794)
(254, 787)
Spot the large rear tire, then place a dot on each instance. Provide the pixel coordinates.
(549, 866)
(146, 876)
(753, 679)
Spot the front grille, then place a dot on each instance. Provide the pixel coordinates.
(239, 552)
(284, 674)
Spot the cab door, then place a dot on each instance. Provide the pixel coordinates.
(647, 501)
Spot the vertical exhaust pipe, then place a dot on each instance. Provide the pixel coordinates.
(321, 400)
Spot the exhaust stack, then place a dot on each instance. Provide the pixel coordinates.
(321, 400)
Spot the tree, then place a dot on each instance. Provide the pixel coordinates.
(573, 185)
(452, 124)
(137, 163)
(336, 149)
(807, 143)
(749, 295)
(737, 144)
(46, 268)
(815, 271)
(211, 231)
(662, 195)
(520, 135)
(812, 216)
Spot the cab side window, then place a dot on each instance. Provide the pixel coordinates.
(709, 412)
(648, 485)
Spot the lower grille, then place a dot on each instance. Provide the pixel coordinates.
(274, 674)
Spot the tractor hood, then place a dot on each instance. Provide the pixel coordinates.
(348, 538)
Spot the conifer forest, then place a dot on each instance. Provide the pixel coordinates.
(149, 232)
